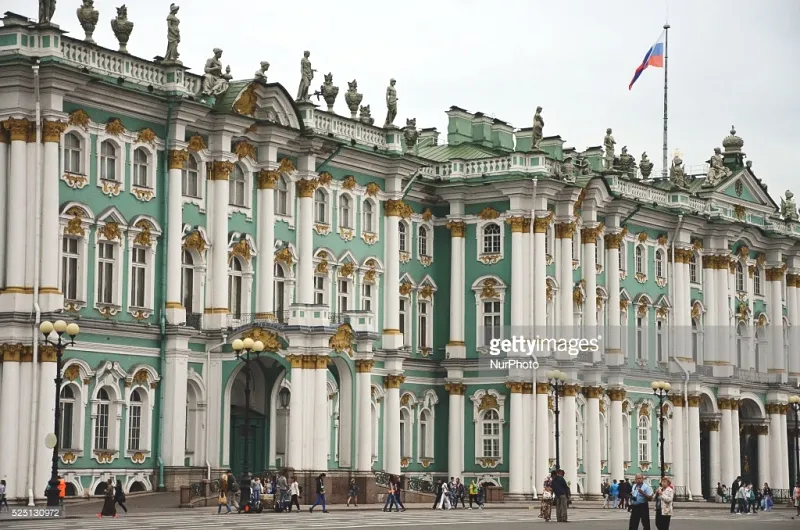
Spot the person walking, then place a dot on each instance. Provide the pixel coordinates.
(737, 484)
(233, 491)
(352, 493)
(665, 495)
(473, 493)
(546, 508)
(562, 494)
(223, 499)
(398, 483)
(641, 494)
(390, 498)
(109, 504)
(119, 496)
(294, 491)
(320, 494)
(438, 492)
(3, 500)
(444, 502)
(605, 490)
(614, 493)
(62, 490)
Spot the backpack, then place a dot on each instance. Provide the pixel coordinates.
(234, 486)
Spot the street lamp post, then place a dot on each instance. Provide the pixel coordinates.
(60, 344)
(557, 381)
(661, 390)
(794, 401)
(244, 349)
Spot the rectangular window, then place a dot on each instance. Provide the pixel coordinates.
(640, 344)
(235, 295)
(190, 183)
(423, 438)
(134, 427)
(403, 438)
(406, 337)
(366, 297)
(422, 328)
(344, 295)
(105, 273)
(187, 288)
(319, 290)
(138, 269)
(491, 322)
(66, 424)
(236, 193)
(69, 268)
(757, 282)
(101, 427)
(661, 349)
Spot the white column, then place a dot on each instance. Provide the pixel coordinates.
(516, 466)
(49, 281)
(305, 241)
(710, 345)
(392, 338)
(456, 346)
(518, 260)
(47, 398)
(736, 450)
(616, 465)
(296, 413)
(714, 450)
(678, 439)
(695, 480)
(589, 240)
(542, 453)
(681, 314)
(391, 434)
(4, 155)
(212, 374)
(612, 333)
(218, 179)
(775, 440)
(723, 345)
(322, 423)
(591, 465)
(527, 276)
(364, 432)
(527, 436)
(726, 435)
(569, 448)
(792, 306)
(775, 308)
(309, 404)
(763, 454)
(18, 196)
(26, 411)
(175, 377)
(265, 301)
(564, 233)
(540, 225)
(176, 313)
(784, 454)
(455, 428)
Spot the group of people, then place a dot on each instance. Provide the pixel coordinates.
(745, 497)
(113, 495)
(449, 493)
(392, 495)
(617, 494)
(555, 490)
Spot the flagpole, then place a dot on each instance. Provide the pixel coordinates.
(666, 61)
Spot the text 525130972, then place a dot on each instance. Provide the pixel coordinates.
(33, 513)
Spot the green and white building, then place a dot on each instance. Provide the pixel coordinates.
(375, 264)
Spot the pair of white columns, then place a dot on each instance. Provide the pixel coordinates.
(778, 445)
(564, 233)
(682, 313)
(711, 350)
(793, 310)
(309, 422)
(774, 277)
(612, 335)
(364, 415)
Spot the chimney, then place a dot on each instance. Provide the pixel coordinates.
(459, 126)
(428, 137)
(502, 135)
(482, 129)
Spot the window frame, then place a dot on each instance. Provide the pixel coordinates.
(186, 173)
(498, 294)
(643, 439)
(478, 413)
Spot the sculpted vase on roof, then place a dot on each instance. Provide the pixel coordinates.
(789, 207)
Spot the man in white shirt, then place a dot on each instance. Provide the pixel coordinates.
(640, 496)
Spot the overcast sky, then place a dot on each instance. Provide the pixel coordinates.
(729, 63)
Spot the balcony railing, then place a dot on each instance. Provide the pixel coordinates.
(755, 377)
(194, 320)
(245, 319)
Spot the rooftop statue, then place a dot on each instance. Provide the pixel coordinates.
(411, 134)
(122, 28)
(627, 164)
(173, 36)
(261, 73)
(47, 8)
(569, 170)
(582, 166)
(717, 172)
(366, 116)
(608, 143)
(215, 83)
(306, 75)
(353, 98)
(789, 207)
(87, 16)
(677, 175)
(391, 103)
(645, 166)
(538, 128)
(328, 91)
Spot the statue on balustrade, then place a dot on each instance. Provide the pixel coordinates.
(582, 166)
(328, 91)
(608, 144)
(626, 163)
(215, 83)
(391, 103)
(306, 75)
(717, 172)
(353, 98)
(677, 175)
(122, 28)
(645, 166)
(569, 170)
(410, 133)
(261, 73)
(47, 8)
(789, 207)
(173, 36)
(538, 128)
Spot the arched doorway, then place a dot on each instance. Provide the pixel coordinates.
(750, 417)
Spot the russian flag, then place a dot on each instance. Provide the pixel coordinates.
(654, 57)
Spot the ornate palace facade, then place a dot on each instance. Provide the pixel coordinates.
(180, 212)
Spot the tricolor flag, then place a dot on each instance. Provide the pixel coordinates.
(654, 57)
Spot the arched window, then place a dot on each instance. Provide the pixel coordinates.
(237, 187)
(693, 276)
(190, 178)
(491, 239)
(72, 153)
(626, 437)
(369, 217)
(187, 281)
(741, 344)
(141, 161)
(279, 292)
(640, 259)
(423, 241)
(235, 288)
(660, 273)
(108, 161)
(739, 276)
(67, 417)
(405, 433)
(697, 341)
(281, 196)
(644, 439)
(345, 211)
(135, 421)
(757, 281)
(425, 435)
(320, 207)
(401, 229)
(490, 429)
(101, 427)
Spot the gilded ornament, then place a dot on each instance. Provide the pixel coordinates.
(514, 387)
(426, 292)
(405, 400)
(644, 410)
(677, 401)
(196, 143)
(457, 228)
(406, 288)
(324, 178)
(347, 269)
(195, 241)
(219, 169)
(114, 127)
(79, 118)
(146, 136)
(739, 211)
(137, 458)
(571, 390)
(52, 131)
(427, 215)
(349, 182)
(549, 291)
(404, 462)
(642, 309)
(369, 276)
(662, 240)
(696, 311)
(342, 340)
(455, 389)
(74, 226)
(694, 401)
(72, 372)
(623, 304)
(516, 223)
(322, 267)
(246, 103)
(579, 202)
(540, 224)
(761, 258)
(488, 290)
(110, 230)
(244, 149)
(144, 238)
(697, 244)
(17, 128)
(242, 250)
(141, 377)
(542, 388)
(613, 241)
(642, 237)
(177, 158)
(393, 381)
(489, 213)
(373, 189)
(743, 251)
(269, 339)
(364, 366)
(267, 179)
(284, 256)
(565, 230)
(306, 188)
(577, 296)
(488, 402)
(397, 208)
(774, 274)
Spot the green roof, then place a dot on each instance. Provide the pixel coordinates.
(224, 103)
(444, 153)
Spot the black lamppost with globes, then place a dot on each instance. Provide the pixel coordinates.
(246, 350)
(661, 390)
(61, 342)
(557, 380)
(794, 402)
